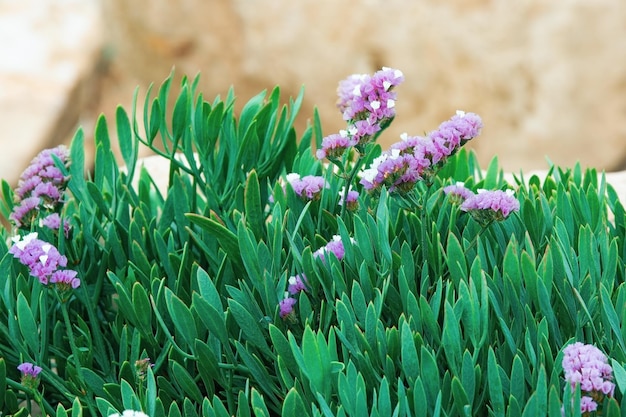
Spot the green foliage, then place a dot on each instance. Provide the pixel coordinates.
(427, 314)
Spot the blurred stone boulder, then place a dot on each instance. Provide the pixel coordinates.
(548, 78)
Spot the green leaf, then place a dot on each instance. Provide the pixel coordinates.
(27, 324)
(455, 258)
(3, 381)
(517, 389)
(129, 397)
(180, 114)
(77, 409)
(459, 395)
(182, 317)
(77, 183)
(254, 210)
(611, 315)
(143, 308)
(495, 384)
(249, 326)
(620, 375)
(213, 319)
(451, 338)
(430, 369)
(126, 141)
(318, 366)
(258, 404)
(151, 393)
(227, 239)
(208, 291)
(408, 353)
(492, 177)
(294, 405)
(257, 370)
(243, 408)
(282, 348)
(185, 381)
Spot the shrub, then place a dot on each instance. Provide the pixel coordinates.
(260, 280)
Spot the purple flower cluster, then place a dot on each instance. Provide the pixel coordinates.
(333, 146)
(43, 260)
(308, 187)
(41, 186)
(365, 97)
(286, 306)
(297, 284)
(457, 193)
(352, 199)
(587, 366)
(395, 170)
(53, 221)
(30, 374)
(417, 158)
(367, 102)
(29, 369)
(487, 206)
(335, 246)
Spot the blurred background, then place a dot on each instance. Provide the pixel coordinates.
(547, 77)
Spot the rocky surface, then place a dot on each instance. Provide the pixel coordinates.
(48, 75)
(548, 78)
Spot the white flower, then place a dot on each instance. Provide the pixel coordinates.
(21, 242)
(293, 177)
(130, 413)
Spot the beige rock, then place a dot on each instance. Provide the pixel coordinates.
(548, 78)
(50, 52)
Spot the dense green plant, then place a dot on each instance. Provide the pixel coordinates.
(428, 313)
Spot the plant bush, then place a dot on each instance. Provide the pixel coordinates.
(256, 281)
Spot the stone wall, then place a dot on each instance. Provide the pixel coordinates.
(548, 78)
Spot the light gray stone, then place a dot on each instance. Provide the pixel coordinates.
(49, 54)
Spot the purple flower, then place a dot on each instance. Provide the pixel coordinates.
(286, 306)
(309, 187)
(362, 131)
(365, 97)
(334, 146)
(30, 374)
(352, 199)
(25, 212)
(296, 284)
(587, 366)
(40, 257)
(29, 369)
(65, 279)
(41, 185)
(335, 246)
(587, 404)
(43, 169)
(48, 192)
(468, 125)
(53, 221)
(487, 206)
(457, 193)
(396, 171)
(348, 89)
